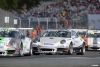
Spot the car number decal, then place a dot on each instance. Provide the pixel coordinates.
(1, 46)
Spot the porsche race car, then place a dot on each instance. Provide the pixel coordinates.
(92, 39)
(59, 41)
(14, 43)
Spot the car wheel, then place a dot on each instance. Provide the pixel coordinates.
(31, 50)
(36, 53)
(70, 50)
(82, 50)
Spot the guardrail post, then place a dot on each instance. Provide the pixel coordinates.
(56, 23)
(38, 21)
(47, 22)
(19, 21)
(29, 22)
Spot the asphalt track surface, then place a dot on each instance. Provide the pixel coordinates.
(90, 59)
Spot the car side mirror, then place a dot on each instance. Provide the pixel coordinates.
(22, 36)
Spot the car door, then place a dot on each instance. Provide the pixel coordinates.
(76, 40)
(25, 41)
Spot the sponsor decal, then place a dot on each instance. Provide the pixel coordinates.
(1, 47)
(48, 44)
(92, 32)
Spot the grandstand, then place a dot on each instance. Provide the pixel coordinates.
(75, 11)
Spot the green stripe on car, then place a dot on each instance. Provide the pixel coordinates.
(6, 51)
(1, 39)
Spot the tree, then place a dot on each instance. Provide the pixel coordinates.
(19, 4)
(9, 4)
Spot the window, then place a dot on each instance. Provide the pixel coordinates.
(73, 33)
(14, 34)
(57, 34)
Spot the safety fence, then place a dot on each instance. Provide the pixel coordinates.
(50, 23)
(6, 18)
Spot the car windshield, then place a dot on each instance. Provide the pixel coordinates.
(57, 34)
(81, 33)
(12, 34)
(96, 35)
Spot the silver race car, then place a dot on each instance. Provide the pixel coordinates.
(59, 41)
(14, 43)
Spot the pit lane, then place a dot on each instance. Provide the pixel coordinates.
(90, 59)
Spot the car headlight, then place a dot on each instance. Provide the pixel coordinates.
(63, 41)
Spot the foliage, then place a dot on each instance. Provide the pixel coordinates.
(8, 4)
(18, 4)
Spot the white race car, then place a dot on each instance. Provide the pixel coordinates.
(59, 41)
(14, 43)
(92, 39)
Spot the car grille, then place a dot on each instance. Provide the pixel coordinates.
(47, 49)
(35, 48)
(94, 47)
(11, 51)
(60, 49)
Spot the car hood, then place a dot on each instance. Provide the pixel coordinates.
(92, 41)
(5, 39)
(51, 39)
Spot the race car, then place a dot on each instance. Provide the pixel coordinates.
(14, 43)
(60, 42)
(92, 39)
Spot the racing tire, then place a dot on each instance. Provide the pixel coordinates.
(70, 50)
(36, 53)
(21, 51)
(82, 50)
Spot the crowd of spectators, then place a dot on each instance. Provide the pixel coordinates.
(94, 6)
(67, 9)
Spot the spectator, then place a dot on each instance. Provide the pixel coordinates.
(27, 33)
(33, 34)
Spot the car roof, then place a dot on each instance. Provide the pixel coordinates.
(59, 30)
(80, 30)
(93, 31)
